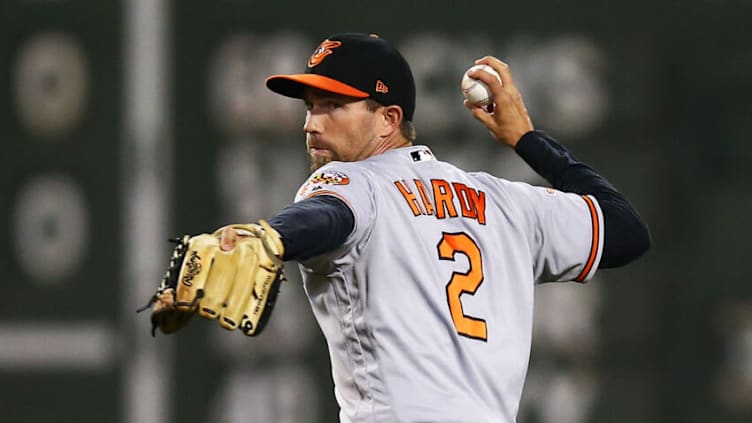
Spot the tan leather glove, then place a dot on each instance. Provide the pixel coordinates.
(238, 288)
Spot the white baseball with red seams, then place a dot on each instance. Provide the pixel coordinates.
(476, 91)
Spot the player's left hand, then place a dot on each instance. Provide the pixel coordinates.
(232, 276)
(509, 120)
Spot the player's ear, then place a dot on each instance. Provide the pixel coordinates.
(392, 116)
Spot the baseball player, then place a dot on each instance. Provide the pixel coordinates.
(420, 274)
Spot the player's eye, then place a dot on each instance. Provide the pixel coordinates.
(333, 104)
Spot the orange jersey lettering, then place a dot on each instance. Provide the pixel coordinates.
(410, 198)
(446, 200)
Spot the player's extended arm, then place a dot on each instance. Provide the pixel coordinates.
(313, 226)
(234, 275)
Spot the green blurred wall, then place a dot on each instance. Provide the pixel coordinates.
(673, 135)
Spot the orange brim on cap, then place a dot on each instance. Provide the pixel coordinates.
(292, 85)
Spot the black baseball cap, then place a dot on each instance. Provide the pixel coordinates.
(356, 65)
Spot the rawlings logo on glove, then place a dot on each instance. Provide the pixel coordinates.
(237, 287)
(193, 267)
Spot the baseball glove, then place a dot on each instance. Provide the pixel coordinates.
(238, 288)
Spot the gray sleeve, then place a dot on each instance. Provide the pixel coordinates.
(564, 231)
(626, 235)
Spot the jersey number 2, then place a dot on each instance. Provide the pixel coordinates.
(461, 283)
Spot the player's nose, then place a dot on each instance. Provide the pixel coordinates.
(312, 123)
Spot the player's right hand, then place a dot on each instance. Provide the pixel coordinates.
(509, 120)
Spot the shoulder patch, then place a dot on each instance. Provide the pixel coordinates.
(322, 179)
(330, 177)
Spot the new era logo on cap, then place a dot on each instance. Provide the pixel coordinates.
(355, 65)
(381, 87)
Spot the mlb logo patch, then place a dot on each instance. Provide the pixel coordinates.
(421, 155)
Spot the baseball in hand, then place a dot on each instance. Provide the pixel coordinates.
(477, 92)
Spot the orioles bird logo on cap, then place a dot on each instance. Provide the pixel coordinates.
(324, 49)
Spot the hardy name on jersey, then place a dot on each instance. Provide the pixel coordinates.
(449, 199)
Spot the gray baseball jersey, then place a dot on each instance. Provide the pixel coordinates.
(427, 308)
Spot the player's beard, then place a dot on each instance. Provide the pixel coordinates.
(317, 161)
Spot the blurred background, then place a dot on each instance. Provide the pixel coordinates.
(125, 122)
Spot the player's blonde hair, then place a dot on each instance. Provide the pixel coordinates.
(407, 129)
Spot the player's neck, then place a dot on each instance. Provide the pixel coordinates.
(392, 142)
